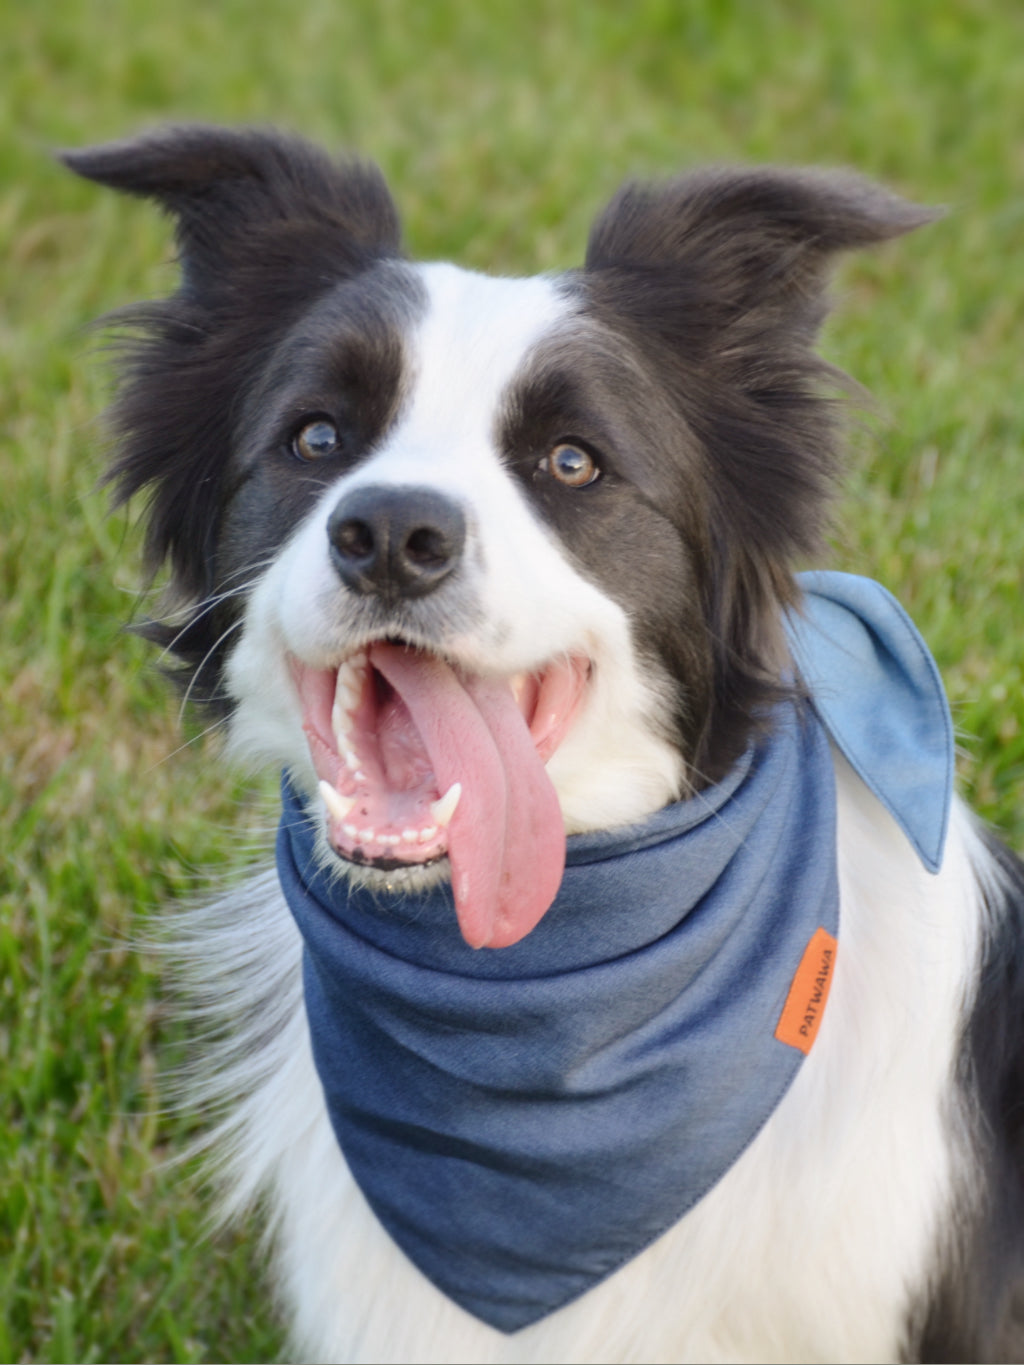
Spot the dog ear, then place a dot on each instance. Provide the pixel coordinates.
(244, 199)
(749, 238)
(265, 224)
(717, 281)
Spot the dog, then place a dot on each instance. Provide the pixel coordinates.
(630, 985)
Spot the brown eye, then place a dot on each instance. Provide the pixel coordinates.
(317, 440)
(571, 466)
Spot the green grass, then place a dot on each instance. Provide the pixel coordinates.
(503, 128)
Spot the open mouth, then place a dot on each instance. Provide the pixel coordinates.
(418, 759)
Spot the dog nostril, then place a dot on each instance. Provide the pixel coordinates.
(353, 539)
(428, 547)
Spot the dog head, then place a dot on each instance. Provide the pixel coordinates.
(481, 560)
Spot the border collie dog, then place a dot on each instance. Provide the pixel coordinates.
(629, 984)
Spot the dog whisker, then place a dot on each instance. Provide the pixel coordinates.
(210, 729)
(195, 614)
(230, 630)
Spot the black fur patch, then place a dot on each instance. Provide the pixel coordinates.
(714, 286)
(267, 226)
(634, 530)
(974, 1307)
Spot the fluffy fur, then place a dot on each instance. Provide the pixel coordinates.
(878, 1215)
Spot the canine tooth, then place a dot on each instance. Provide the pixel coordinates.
(444, 808)
(427, 833)
(338, 806)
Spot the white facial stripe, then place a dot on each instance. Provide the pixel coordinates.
(470, 345)
(465, 353)
(468, 349)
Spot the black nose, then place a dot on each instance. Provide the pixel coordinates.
(395, 542)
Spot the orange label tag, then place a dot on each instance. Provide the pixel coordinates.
(805, 1003)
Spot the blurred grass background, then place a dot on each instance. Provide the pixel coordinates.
(503, 128)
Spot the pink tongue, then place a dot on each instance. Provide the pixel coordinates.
(506, 841)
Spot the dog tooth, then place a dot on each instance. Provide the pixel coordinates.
(427, 833)
(389, 839)
(347, 695)
(444, 808)
(349, 674)
(350, 830)
(409, 836)
(348, 690)
(338, 806)
(368, 836)
(350, 761)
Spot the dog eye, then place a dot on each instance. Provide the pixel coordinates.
(571, 465)
(317, 440)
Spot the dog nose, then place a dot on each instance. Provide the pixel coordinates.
(395, 542)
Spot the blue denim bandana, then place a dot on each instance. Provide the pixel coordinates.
(524, 1121)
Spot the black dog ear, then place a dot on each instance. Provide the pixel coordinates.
(748, 237)
(265, 224)
(245, 197)
(717, 281)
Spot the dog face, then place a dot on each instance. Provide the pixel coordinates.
(480, 560)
